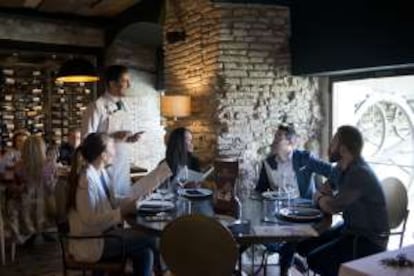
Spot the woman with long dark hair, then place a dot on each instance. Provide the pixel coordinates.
(180, 151)
(93, 210)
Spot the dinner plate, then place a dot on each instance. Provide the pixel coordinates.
(300, 214)
(225, 220)
(159, 197)
(302, 202)
(275, 195)
(154, 206)
(195, 193)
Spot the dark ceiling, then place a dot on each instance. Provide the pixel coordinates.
(101, 8)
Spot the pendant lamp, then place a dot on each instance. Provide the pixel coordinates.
(77, 70)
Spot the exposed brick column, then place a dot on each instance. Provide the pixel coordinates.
(235, 64)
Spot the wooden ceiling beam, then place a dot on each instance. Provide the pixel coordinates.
(264, 2)
(93, 21)
(34, 4)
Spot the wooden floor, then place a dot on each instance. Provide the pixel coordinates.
(44, 259)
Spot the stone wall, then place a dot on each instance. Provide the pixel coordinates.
(143, 99)
(191, 68)
(235, 63)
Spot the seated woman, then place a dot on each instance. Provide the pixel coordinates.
(12, 155)
(95, 211)
(180, 152)
(25, 194)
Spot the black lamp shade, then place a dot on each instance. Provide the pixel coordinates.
(77, 70)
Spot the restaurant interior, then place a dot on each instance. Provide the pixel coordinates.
(232, 74)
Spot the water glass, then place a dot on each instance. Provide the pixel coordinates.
(164, 189)
(183, 176)
(269, 210)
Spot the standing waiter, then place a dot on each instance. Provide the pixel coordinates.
(110, 114)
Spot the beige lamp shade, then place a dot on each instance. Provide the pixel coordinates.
(175, 106)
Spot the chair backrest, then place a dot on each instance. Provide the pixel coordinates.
(396, 200)
(198, 245)
(226, 173)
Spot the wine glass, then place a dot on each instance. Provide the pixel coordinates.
(164, 189)
(182, 176)
(290, 189)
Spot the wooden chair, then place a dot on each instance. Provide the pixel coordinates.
(69, 263)
(396, 199)
(3, 232)
(226, 173)
(198, 245)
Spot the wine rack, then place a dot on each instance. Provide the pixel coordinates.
(31, 100)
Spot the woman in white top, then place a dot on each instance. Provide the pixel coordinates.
(93, 210)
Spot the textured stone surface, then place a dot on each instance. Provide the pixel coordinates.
(247, 90)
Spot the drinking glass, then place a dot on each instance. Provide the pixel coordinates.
(183, 176)
(289, 188)
(164, 188)
(269, 209)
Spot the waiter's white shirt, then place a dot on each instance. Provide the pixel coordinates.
(103, 115)
(93, 215)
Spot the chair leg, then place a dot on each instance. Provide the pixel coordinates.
(13, 251)
(403, 229)
(3, 247)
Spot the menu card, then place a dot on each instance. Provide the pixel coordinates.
(150, 182)
(285, 231)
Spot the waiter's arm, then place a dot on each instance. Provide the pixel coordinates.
(90, 120)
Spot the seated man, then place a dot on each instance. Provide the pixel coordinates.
(68, 148)
(360, 198)
(289, 165)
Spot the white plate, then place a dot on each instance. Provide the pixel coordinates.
(300, 214)
(275, 195)
(158, 196)
(195, 193)
(154, 206)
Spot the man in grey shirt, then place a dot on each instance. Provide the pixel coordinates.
(361, 200)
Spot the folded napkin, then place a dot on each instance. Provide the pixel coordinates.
(154, 204)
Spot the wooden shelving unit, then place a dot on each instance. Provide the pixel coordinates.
(32, 100)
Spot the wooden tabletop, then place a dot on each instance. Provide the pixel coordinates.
(251, 212)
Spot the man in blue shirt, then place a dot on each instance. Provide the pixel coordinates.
(361, 200)
(67, 149)
(296, 167)
(287, 163)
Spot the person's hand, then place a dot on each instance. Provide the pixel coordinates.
(135, 137)
(316, 196)
(192, 185)
(127, 206)
(121, 135)
(325, 189)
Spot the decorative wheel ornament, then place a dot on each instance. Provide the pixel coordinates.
(387, 124)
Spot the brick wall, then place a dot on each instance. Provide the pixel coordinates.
(235, 64)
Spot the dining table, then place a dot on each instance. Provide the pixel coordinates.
(395, 262)
(251, 227)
